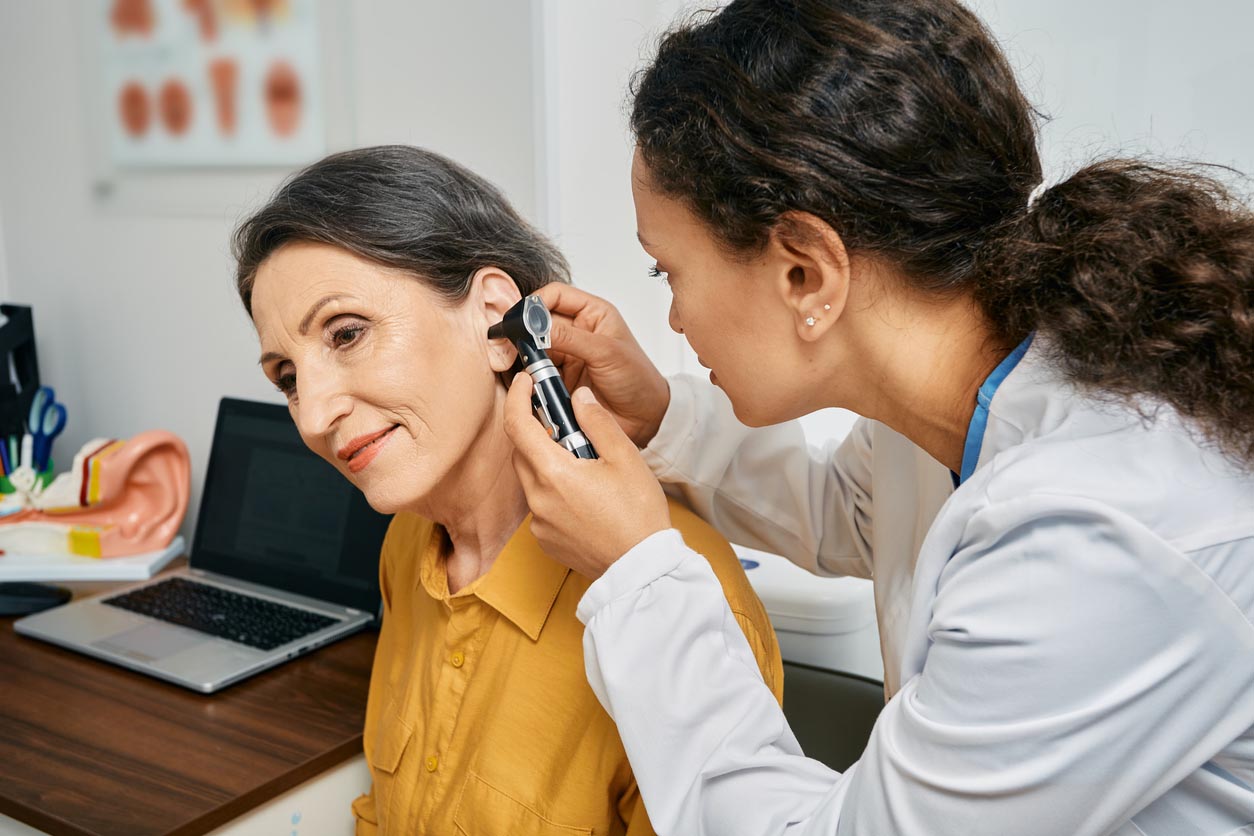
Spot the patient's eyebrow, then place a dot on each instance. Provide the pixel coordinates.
(317, 306)
(643, 242)
(304, 325)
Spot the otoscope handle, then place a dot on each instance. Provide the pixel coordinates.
(585, 452)
(527, 325)
(552, 401)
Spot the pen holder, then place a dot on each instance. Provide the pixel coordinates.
(44, 479)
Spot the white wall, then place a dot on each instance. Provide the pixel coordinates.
(4, 261)
(136, 319)
(1116, 76)
(1134, 76)
(588, 52)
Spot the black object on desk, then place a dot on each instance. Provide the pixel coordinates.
(17, 359)
(19, 381)
(22, 598)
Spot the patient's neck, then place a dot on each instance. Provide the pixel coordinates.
(481, 505)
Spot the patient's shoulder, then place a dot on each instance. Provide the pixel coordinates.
(407, 531)
(702, 538)
(407, 536)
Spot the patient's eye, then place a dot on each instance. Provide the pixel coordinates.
(286, 383)
(344, 336)
(656, 272)
(347, 333)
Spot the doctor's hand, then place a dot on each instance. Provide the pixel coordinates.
(586, 513)
(595, 348)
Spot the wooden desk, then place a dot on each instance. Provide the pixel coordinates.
(90, 748)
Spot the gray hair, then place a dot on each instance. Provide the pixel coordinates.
(402, 207)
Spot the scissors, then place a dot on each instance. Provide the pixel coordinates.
(47, 420)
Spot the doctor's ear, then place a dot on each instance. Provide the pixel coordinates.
(493, 292)
(814, 271)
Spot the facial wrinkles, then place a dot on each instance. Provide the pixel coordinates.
(358, 304)
(382, 369)
(417, 364)
(278, 321)
(313, 358)
(461, 491)
(418, 353)
(436, 361)
(461, 375)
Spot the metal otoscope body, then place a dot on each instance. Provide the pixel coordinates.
(527, 325)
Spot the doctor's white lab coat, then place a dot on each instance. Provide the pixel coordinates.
(1067, 637)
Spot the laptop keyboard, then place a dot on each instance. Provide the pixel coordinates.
(222, 613)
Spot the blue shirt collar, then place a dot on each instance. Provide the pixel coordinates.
(979, 419)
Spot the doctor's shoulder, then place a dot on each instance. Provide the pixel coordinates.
(1139, 466)
(745, 605)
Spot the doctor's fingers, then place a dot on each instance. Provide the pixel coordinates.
(539, 463)
(571, 366)
(602, 428)
(580, 354)
(534, 450)
(587, 311)
(570, 339)
(623, 377)
(577, 505)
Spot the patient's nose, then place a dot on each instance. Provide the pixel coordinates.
(321, 402)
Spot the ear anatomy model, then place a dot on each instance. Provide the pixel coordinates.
(119, 498)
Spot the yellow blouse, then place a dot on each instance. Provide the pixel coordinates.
(480, 720)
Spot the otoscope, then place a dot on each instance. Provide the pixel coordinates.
(527, 326)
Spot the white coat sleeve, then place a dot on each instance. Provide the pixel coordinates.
(1075, 668)
(765, 488)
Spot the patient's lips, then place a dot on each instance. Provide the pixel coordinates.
(361, 451)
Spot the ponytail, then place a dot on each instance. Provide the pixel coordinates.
(1143, 277)
(901, 125)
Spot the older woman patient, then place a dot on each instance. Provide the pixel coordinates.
(372, 278)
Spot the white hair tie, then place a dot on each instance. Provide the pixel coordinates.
(1036, 193)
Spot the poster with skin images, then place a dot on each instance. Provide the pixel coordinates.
(210, 83)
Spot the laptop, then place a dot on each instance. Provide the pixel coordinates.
(285, 559)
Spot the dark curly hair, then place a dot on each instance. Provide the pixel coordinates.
(402, 207)
(901, 125)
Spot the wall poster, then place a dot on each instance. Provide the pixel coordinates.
(210, 83)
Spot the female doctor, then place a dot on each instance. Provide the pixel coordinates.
(1052, 485)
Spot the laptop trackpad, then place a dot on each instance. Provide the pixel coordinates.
(150, 642)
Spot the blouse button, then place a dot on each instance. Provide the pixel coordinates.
(458, 659)
(432, 763)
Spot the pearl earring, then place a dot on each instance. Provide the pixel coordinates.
(827, 307)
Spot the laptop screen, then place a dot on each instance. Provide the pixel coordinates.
(274, 513)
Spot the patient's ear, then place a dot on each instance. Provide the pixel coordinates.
(493, 292)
